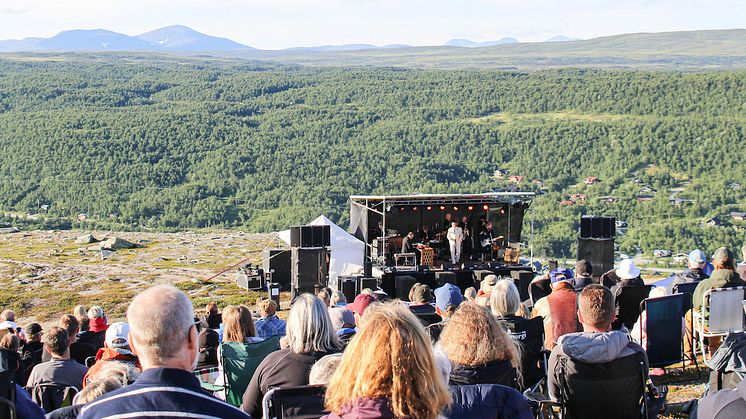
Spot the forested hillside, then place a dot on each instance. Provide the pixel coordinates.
(167, 143)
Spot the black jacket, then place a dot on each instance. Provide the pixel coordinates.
(487, 401)
(495, 372)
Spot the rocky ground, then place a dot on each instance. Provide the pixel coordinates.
(44, 274)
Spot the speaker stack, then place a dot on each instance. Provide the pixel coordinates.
(596, 243)
(309, 258)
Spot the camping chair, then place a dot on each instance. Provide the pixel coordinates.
(90, 361)
(52, 396)
(428, 318)
(627, 301)
(610, 390)
(239, 361)
(725, 306)
(207, 378)
(534, 360)
(294, 402)
(7, 395)
(685, 288)
(663, 329)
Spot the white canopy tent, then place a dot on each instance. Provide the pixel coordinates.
(347, 251)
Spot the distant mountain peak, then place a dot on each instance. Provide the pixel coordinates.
(467, 43)
(562, 38)
(184, 38)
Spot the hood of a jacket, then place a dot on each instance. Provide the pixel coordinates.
(111, 354)
(481, 373)
(595, 348)
(365, 407)
(98, 324)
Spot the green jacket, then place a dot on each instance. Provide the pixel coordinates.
(720, 278)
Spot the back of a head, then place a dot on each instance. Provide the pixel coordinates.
(7, 315)
(10, 342)
(96, 312)
(309, 327)
(57, 341)
(96, 389)
(323, 370)
(70, 323)
(596, 306)
(85, 323)
(80, 311)
(470, 294)
(338, 297)
(724, 259)
(125, 372)
(325, 295)
(421, 294)
(237, 324)
(266, 307)
(473, 336)
(505, 298)
(405, 373)
(211, 308)
(160, 319)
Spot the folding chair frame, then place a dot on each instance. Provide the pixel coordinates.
(699, 322)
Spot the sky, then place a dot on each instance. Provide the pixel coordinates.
(277, 24)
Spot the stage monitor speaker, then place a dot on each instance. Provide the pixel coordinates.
(403, 284)
(599, 252)
(310, 270)
(480, 274)
(444, 277)
(367, 282)
(278, 260)
(597, 227)
(348, 286)
(522, 280)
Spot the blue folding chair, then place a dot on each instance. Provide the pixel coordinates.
(663, 317)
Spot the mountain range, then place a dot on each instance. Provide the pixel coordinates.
(169, 38)
(182, 38)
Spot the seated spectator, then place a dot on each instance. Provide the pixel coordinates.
(696, 261)
(25, 406)
(447, 299)
(583, 274)
(325, 295)
(559, 309)
(338, 299)
(310, 336)
(214, 318)
(79, 311)
(79, 351)
(61, 370)
(116, 348)
(31, 351)
(358, 306)
(164, 336)
(485, 288)
(208, 345)
(269, 324)
(723, 404)
(10, 343)
(98, 325)
(421, 297)
(400, 381)
(9, 317)
(505, 301)
(343, 322)
(479, 349)
(741, 268)
(597, 343)
(470, 295)
(87, 336)
(723, 276)
(323, 370)
(113, 375)
(627, 275)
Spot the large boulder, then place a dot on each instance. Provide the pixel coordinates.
(116, 243)
(86, 238)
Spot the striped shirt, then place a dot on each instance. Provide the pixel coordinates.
(160, 393)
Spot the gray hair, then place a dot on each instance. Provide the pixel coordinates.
(160, 319)
(96, 312)
(338, 297)
(96, 389)
(122, 371)
(324, 368)
(443, 364)
(470, 294)
(505, 298)
(309, 327)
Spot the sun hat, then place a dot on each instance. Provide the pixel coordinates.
(627, 269)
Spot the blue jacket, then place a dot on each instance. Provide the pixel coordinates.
(161, 393)
(487, 401)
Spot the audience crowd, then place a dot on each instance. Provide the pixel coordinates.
(443, 353)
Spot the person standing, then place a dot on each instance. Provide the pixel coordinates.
(455, 236)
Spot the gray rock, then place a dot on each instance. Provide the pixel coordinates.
(116, 243)
(86, 238)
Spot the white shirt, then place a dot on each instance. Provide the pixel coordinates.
(455, 234)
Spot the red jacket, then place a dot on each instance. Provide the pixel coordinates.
(108, 354)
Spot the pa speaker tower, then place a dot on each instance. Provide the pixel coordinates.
(596, 243)
(310, 269)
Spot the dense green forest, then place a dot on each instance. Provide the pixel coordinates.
(175, 143)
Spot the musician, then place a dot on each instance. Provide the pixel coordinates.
(467, 245)
(447, 222)
(486, 236)
(455, 236)
(407, 245)
(425, 234)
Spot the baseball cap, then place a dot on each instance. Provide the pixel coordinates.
(583, 267)
(361, 302)
(698, 256)
(33, 329)
(116, 336)
(723, 254)
(340, 316)
(560, 274)
(446, 295)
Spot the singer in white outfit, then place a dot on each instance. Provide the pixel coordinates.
(455, 237)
